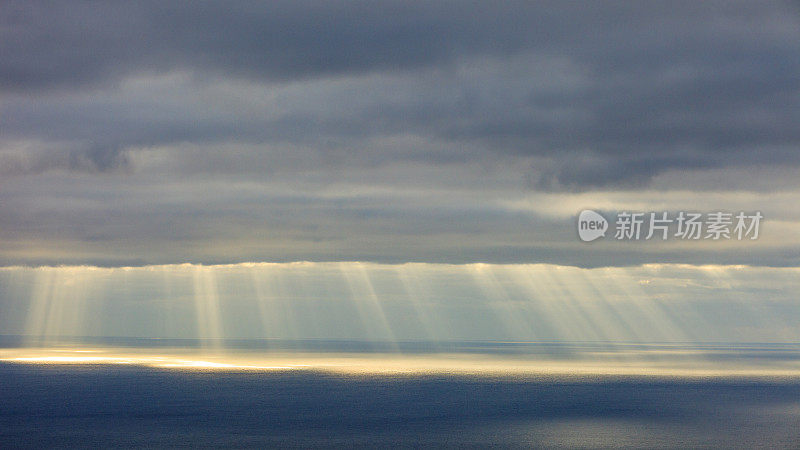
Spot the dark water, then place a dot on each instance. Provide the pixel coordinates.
(130, 406)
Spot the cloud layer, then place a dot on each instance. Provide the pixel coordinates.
(137, 133)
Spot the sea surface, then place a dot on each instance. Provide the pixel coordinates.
(359, 395)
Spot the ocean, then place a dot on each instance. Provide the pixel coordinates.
(136, 401)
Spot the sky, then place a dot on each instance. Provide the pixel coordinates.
(137, 133)
(401, 303)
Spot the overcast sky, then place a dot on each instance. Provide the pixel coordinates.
(140, 133)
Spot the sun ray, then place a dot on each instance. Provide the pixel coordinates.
(367, 302)
(206, 298)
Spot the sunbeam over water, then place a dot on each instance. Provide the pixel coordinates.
(393, 224)
(408, 302)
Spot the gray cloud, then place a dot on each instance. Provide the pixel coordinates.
(78, 43)
(465, 104)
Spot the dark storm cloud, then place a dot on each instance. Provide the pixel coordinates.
(494, 100)
(69, 44)
(666, 86)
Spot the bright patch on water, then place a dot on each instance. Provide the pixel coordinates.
(512, 359)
